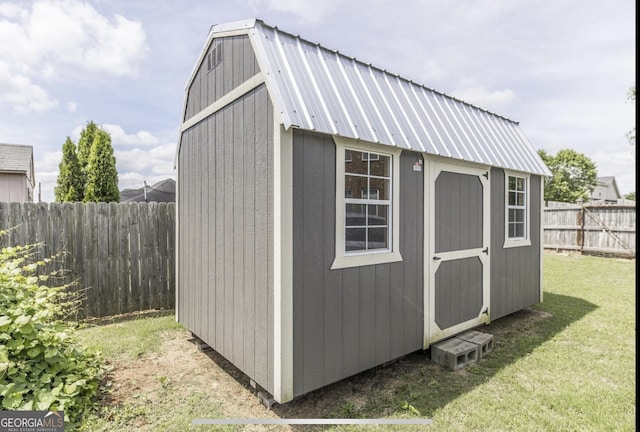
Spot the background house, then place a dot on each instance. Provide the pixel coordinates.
(606, 191)
(163, 191)
(17, 178)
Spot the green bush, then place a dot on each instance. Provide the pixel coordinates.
(42, 366)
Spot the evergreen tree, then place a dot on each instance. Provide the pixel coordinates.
(70, 185)
(102, 176)
(87, 137)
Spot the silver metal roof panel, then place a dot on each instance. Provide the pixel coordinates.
(323, 90)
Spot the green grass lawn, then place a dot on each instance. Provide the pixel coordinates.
(567, 364)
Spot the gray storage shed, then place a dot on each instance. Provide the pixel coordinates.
(333, 216)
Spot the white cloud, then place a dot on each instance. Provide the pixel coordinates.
(20, 93)
(72, 107)
(494, 100)
(119, 136)
(52, 39)
(311, 12)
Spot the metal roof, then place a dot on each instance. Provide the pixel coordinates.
(323, 90)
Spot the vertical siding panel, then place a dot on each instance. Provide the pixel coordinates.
(334, 325)
(229, 189)
(382, 313)
(237, 44)
(313, 342)
(249, 234)
(351, 321)
(250, 65)
(238, 233)
(227, 66)
(194, 230)
(220, 227)
(204, 227)
(367, 317)
(210, 231)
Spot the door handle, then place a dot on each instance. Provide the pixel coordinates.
(436, 258)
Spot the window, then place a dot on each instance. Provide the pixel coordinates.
(517, 210)
(366, 205)
(367, 176)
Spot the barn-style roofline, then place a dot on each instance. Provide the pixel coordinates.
(318, 89)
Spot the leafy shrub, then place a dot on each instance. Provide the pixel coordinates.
(42, 367)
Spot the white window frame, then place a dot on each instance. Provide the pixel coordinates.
(345, 259)
(519, 241)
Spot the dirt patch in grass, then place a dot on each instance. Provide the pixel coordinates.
(172, 374)
(180, 368)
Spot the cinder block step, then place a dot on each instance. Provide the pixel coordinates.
(483, 340)
(454, 353)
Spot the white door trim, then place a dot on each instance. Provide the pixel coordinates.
(433, 168)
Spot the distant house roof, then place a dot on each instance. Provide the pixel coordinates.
(319, 89)
(606, 189)
(17, 158)
(163, 191)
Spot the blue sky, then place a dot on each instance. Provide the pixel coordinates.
(562, 68)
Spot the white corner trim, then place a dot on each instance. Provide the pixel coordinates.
(282, 264)
(225, 100)
(342, 259)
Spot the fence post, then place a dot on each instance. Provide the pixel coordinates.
(580, 234)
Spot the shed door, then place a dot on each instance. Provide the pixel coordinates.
(458, 261)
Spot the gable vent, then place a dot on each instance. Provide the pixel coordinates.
(214, 58)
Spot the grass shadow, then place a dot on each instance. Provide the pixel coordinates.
(415, 385)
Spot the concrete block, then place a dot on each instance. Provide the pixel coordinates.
(454, 353)
(483, 340)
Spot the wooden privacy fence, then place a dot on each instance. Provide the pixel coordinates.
(122, 255)
(591, 228)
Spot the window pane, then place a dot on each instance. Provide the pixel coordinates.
(372, 194)
(512, 215)
(356, 165)
(512, 198)
(520, 183)
(354, 186)
(519, 215)
(520, 197)
(380, 167)
(512, 183)
(356, 215)
(378, 214)
(519, 230)
(355, 239)
(383, 186)
(378, 238)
